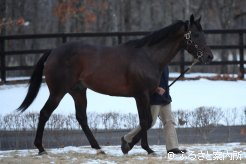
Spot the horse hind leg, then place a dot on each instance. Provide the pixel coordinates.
(44, 116)
(79, 96)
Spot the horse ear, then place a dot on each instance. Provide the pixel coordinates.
(199, 19)
(192, 19)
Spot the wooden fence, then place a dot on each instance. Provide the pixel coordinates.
(240, 46)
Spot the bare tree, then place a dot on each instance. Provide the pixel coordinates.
(56, 121)
(182, 116)
(8, 121)
(31, 120)
(243, 116)
(94, 120)
(110, 120)
(1, 122)
(230, 116)
(205, 120)
(17, 121)
(70, 122)
(129, 121)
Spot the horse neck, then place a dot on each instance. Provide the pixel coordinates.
(163, 52)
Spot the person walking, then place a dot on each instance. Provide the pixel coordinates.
(160, 105)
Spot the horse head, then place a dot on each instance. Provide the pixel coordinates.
(195, 42)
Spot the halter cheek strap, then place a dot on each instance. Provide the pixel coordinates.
(190, 45)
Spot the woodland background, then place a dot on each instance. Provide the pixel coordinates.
(64, 16)
(76, 16)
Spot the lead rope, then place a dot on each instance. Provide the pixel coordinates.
(186, 70)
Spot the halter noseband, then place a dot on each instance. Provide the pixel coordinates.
(191, 45)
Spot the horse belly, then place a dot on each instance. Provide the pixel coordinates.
(108, 86)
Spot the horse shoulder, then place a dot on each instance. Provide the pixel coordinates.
(145, 74)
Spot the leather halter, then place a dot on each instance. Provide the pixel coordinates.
(191, 46)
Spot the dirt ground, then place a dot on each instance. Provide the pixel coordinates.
(114, 155)
(89, 158)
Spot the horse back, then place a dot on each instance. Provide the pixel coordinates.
(115, 70)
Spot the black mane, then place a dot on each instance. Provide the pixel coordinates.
(156, 36)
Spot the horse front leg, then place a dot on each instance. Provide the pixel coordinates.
(145, 118)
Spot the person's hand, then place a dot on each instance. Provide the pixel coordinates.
(160, 90)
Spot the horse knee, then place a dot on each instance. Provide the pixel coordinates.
(44, 116)
(49, 107)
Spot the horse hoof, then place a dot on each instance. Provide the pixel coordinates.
(100, 152)
(152, 154)
(43, 153)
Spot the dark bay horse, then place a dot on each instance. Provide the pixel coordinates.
(132, 69)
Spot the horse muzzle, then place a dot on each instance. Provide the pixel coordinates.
(207, 56)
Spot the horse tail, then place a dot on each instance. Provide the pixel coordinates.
(34, 83)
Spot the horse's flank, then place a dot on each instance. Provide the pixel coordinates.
(103, 69)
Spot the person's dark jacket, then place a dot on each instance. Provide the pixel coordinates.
(155, 98)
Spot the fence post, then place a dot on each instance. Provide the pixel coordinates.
(119, 38)
(64, 39)
(2, 57)
(241, 57)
